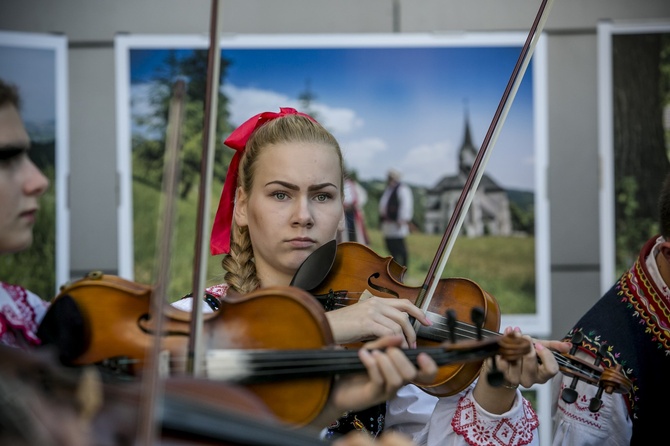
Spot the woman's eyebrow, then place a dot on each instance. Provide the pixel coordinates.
(283, 184)
(295, 187)
(321, 186)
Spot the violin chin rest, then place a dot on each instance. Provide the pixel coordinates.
(64, 327)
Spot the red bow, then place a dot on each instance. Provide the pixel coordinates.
(220, 239)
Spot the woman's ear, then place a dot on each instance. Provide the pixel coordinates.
(240, 213)
(341, 226)
(665, 251)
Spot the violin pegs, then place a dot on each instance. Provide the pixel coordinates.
(600, 355)
(577, 339)
(569, 394)
(596, 403)
(478, 317)
(495, 377)
(451, 324)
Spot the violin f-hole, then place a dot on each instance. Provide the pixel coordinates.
(381, 288)
(143, 324)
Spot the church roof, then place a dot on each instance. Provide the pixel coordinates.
(457, 182)
(466, 155)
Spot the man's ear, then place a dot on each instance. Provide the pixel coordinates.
(240, 213)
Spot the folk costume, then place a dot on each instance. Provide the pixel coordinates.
(396, 209)
(355, 198)
(632, 320)
(21, 312)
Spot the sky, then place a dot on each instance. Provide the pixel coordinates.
(32, 70)
(398, 105)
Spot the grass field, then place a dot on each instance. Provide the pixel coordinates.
(502, 266)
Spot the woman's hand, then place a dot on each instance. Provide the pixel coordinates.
(388, 369)
(536, 367)
(375, 317)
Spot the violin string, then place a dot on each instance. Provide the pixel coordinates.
(467, 331)
(282, 362)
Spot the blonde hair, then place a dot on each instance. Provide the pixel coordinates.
(239, 263)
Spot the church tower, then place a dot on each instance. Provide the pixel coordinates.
(468, 152)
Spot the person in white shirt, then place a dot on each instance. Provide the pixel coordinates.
(630, 326)
(396, 209)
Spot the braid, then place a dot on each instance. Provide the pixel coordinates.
(241, 274)
(239, 264)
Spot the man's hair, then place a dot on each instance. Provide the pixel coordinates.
(664, 207)
(8, 94)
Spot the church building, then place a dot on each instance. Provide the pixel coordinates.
(489, 212)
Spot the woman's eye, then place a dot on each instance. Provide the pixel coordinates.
(280, 196)
(322, 197)
(12, 155)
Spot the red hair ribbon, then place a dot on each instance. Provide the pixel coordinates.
(220, 238)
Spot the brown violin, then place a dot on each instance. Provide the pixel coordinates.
(275, 341)
(47, 404)
(357, 270)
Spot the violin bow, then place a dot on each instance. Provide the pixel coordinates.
(151, 396)
(474, 177)
(195, 348)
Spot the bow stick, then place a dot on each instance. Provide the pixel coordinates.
(479, 164)
(195, 349)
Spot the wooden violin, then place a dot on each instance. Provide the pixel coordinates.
(48, 404)
(357, 270)
(276, 341)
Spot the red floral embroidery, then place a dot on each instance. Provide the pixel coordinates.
(579, 410)
(503, 432)
(17, 316)
(219, 290)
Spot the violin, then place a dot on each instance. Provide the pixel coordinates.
(48, 404)
(356, 267)
(275, 341)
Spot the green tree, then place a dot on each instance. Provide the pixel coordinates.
(640, 93)
(148, 148)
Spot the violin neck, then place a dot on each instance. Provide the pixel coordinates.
(256, 366)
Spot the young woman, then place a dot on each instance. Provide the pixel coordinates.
(21, 185)
(282, 199)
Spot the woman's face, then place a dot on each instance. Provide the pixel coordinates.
(294, 207)
(21, 183)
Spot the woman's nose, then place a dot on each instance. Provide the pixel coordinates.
(36, 183)
(303, 213)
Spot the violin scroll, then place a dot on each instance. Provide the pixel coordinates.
(608, 380)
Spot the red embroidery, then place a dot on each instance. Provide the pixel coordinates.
(219, 290)
(17, 315)
(503, 432)
(579, 411)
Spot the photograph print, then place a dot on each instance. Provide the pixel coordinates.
(418, 104)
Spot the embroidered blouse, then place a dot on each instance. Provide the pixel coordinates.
(21, 312)
(431, 421)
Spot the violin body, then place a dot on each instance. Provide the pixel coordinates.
(358, 269)
(105, 319)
